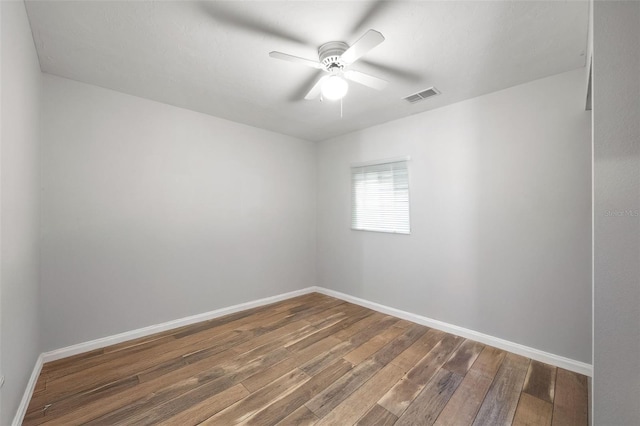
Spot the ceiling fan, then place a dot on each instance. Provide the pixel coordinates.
(335, 57)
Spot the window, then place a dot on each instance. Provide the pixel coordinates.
(380, 197)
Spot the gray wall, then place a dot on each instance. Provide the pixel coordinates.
(500, 190)
(152, 213)
(616, 109)
(19, 318)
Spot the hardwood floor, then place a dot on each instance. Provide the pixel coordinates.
(308, 360)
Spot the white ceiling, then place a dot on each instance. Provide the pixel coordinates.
(213, 57)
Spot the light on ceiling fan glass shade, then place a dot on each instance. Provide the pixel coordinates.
(334, 88)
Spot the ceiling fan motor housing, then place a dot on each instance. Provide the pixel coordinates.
(330, 53)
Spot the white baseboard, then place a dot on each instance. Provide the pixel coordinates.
(516, 348)
(546, 357)
(134, 334)
(26, 397)
(157, 328)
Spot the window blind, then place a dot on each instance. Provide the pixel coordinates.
(380, 197)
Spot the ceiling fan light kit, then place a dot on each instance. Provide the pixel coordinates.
(334, 88)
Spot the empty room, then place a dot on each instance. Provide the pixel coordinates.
(320, 212)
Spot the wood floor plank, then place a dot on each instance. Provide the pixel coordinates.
(398, 345)
(71, 360)
(169, 400)
(294, 400)
(276, 339)
(110, 371)
(367, 349)
(322, 360)
(301, 417)
(41, 384)
(256, 401)
(414, 353)
(499, 405)
(465, 402)
(540, 381)
(489, 361)
(426, 407)
(533, 411)
(400, 396)
(337, 392)
(307, 360)
(328, 319)
(327, 308)
(462, 407)
(464, 357)
(321, 332)
(217, 326)
(159, 407)
(208, 368)
(192, 354)
(364, 398)
(291, 327)
(571, 399)
(268, 319)
(353, 317)
(51, 411)
(405, 324)
(54, 370)
(237, 320)
(265, 377)
(377, 416)
(335, 310)
(206, 408)
(371, 320)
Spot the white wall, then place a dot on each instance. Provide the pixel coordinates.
(151, 213)
(19, 318)
(616, 109)
(500, 189)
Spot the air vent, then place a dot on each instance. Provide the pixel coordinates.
(427, 93)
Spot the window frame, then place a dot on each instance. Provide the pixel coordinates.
(406, 160)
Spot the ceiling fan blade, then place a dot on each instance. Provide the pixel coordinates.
(373, 10)
(315, 90)
(296, 59)
(393, 71)
(303, 88)
(368, 41)
(227, 16)
(366, 79)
